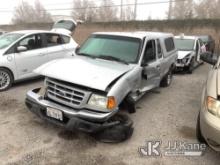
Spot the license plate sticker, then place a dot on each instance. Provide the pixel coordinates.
(54, 113)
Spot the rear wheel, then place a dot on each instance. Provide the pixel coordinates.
(6, 79)
(167, 80)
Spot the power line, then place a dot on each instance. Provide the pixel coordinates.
(107, 6)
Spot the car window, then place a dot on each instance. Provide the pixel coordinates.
(159, 50)
(169, 44)
(8, 39)
(65, 39)
(32, 42)
(150, 52)
(53, 40)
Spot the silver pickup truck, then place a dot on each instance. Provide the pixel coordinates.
(109, 71)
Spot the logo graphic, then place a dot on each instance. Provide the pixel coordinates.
(173, 148)
(152, 148)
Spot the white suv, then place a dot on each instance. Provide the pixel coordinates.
(23, 51)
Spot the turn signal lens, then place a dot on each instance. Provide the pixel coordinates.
(111, 104)
(213, 106)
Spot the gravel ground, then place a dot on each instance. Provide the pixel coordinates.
(165, 114)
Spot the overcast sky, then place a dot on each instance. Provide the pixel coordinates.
(155, 11)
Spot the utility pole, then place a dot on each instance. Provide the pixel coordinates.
(121, 10)
(170, 9)
(135, 9)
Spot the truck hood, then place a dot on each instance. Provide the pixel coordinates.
(93, 73)
(183, 54)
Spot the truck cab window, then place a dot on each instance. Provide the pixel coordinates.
(159, 50)
(150, 52)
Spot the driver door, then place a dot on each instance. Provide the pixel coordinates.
(151, 67)
(31, 58)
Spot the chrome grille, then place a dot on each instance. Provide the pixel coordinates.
(65, 94)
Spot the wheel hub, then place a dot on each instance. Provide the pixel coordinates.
(4, 79)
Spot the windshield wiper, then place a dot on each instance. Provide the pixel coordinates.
(105, 57)
(86, 55)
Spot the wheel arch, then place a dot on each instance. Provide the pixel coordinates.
(6, 68)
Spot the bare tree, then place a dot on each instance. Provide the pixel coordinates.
(107, 11)
(25, 13)
(84, 10)
(207, 9)
(183, 9)
(128, 13)
(41, 14)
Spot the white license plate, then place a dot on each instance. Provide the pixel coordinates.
(54, 113)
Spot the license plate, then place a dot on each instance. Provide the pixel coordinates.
(54, 113)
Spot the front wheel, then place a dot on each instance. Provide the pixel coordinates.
(167, 80)
(191, 66)
(199, 135)
(6, 79)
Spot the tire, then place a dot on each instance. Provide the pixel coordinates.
(190, 67)
(117, 133)
(167, 80)
(199, 135)
(6, 79)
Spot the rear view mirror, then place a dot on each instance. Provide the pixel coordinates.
(209, 58)
(21, 48)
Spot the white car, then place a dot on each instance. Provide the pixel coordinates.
(189, 50)
(23, 51)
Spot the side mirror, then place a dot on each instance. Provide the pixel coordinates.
(144, 63)
(209, 58)
(21, 48)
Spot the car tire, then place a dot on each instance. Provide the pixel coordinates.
(191, 66)
(117, 133)
(6, 79)
(199, 135)
(167, 80)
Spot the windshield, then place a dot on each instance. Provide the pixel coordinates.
(184, 44)
(122, 48)
(8, 39)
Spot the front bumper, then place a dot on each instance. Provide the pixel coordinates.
(84, 120)
(210, 128)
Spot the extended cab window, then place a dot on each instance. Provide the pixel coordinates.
(150, 52)
(53, 40)
(159, 49)
(120, 47)
(32, 42)
(169, 44)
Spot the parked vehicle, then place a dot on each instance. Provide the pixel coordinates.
(208, 123)
(66, 26)
(189, 50)
(108, 72)
(209, 42)
(23, 51)
(2, 32)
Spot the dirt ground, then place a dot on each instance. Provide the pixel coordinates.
(165, 114)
